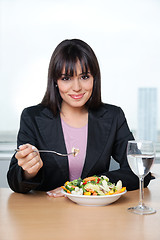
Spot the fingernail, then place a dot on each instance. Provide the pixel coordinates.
(49, 193)
(33, 147)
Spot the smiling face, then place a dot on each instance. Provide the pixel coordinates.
(75, 90)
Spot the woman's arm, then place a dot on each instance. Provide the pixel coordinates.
(25, 172)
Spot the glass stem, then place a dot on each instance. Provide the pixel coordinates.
(141, 191)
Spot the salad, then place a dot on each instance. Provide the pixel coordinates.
(97, 186)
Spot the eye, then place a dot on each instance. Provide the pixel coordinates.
(85, 76)
(65, 78)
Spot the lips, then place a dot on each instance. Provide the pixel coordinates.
(76, 96)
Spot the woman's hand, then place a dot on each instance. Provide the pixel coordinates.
(29, 159)
(57, 192)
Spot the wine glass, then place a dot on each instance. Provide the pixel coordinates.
(140, 155)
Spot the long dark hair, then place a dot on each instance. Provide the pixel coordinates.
(66, 54)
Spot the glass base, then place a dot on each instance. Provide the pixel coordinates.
(142, 210)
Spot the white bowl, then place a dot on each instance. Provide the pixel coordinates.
(94, 200)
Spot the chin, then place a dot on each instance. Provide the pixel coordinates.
(78, 105)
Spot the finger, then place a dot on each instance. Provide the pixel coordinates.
(24, 159)
(34, 164)
(24, 150)
(34, 169)
(32, 157)
(56, 192)
(29, 161)
(20, 151)
(25, 146)
(22, 147)
(56, 195)
(31, 172)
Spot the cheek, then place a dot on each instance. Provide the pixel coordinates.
(63, 88)
(89, 86)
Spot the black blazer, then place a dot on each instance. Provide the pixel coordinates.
(108, 134)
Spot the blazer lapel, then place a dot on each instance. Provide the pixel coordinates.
(99, 125)
(51, 131)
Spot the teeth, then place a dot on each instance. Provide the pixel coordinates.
(77, 96)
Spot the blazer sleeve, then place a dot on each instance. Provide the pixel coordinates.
(119, 148)
(15, 172)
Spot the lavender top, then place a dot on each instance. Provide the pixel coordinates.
(77, 138)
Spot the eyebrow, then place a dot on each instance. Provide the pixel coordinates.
(65, 74)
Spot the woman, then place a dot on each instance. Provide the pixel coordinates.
(71, 114)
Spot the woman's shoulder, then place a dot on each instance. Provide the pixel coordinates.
(108, 111)
(33, 109)
(36, 110)
(111, 107)
(106, 108)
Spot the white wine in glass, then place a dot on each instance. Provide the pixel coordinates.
(140, 155)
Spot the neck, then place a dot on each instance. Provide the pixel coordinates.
(75, 117)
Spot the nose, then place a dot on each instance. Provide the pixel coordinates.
(76, 85)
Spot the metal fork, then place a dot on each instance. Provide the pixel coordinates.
(60, 154)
